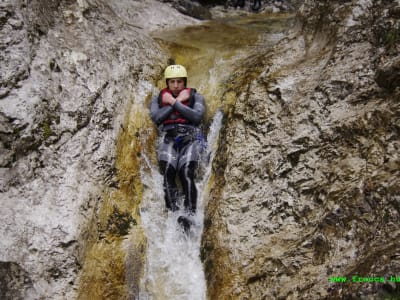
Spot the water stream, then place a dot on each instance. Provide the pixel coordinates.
(155, 259)
(209, 51)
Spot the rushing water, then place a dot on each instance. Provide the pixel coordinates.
(173, 268)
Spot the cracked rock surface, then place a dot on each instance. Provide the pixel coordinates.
(69, 69)
(307, 175)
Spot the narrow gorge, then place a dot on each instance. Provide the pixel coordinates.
(301, 184)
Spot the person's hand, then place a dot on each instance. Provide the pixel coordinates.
(168, 99)
(183, 95)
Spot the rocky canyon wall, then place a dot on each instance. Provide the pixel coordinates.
(306, 176)
(70, 70)
(306, 182)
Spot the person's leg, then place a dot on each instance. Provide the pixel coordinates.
(189, 160)
(239, 3)
(256, 5)
(187, 176)
(167, 157)
(171, 192)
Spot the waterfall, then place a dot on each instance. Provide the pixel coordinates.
(173, 269)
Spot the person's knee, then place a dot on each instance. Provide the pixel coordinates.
(163, 167)
(169, 173)
(166, 168)
(188, 171)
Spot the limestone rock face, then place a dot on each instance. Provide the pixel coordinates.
(69, 69)
(307, 178)
(214, 9)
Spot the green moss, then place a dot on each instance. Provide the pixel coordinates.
(47, 132)
(386, 217)
(46, 125)
(392, 37)
(17, 130)
(120, 222)
(205, 253)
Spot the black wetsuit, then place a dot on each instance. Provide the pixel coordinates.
(256, 4)
(180, 149)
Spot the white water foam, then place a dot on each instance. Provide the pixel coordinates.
(173, 268)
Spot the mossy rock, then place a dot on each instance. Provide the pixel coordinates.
(119, 223)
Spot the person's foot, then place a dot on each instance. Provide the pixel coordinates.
(185, 223)
(173, 207)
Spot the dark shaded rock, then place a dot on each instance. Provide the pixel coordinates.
(14, 281)
(69, 71)
(191, 8)
(328, 203)
(388, 76)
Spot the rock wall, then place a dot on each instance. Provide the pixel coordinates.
(306, 185)
(69, 70)
(306, 182)
(213, 9)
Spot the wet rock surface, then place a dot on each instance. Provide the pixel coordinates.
(307, 175)
(209, 9)
(69, 72)
(14, 281)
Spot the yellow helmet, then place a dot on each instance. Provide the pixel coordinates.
(175, 71)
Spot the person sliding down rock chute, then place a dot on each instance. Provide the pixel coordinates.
(178, 111)
(241, 3)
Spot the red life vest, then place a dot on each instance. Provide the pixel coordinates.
(176, 117)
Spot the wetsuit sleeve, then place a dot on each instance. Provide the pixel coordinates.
(159, 114)
(195, 114)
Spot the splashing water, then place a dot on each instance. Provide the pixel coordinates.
(174, 269)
